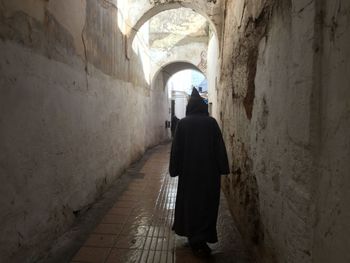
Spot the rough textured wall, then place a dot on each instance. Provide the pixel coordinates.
(332, 231)
(213, 74)
(244, 26)
(74, 112)
(284, 108)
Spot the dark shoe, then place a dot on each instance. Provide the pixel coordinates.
(201, 249)
(206, 248)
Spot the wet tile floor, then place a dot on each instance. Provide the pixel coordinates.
(138, 226)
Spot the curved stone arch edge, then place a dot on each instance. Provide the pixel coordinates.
(183, 65)
(156, 10)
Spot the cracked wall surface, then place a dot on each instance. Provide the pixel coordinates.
(74, 113)
(284, 106)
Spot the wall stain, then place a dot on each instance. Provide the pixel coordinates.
(242, 189)
(50, 38)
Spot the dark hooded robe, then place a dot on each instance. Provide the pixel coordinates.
(198, 157)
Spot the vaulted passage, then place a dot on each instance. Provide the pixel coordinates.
(87, 95)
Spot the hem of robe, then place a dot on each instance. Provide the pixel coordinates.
(198, 238)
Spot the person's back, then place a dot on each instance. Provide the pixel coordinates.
(198, 157)
(200, 132)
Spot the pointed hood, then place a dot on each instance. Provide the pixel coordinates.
(196, 105)
(195, 93)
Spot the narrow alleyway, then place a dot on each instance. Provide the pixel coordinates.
(86, 86)
(138, 226)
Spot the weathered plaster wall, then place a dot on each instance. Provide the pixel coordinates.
(213, 74)
(236, 92)
(331, 240)
(74, 113)
(284, 108)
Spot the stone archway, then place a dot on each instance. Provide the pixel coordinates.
(211, 11)
(177, 98)
(168, 70)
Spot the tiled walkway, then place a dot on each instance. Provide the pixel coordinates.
(138, 226)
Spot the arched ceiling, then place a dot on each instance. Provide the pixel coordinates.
(179, 34)
(170, 69)
(134, 11)
(209, 9)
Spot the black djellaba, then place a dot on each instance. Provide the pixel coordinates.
(199, 158)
